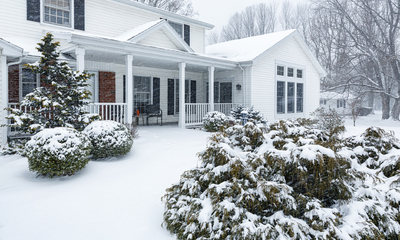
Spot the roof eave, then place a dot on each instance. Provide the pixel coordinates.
(175, 16)
(125, 48)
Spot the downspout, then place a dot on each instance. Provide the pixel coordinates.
(244, 85)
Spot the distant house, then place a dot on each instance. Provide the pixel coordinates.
(139, 55)
(341, 102)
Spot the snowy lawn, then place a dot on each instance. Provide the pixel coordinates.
(114, 199)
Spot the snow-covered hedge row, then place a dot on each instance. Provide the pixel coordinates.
(289, 181)
(214, 121)
(58, 151)
(109, 139)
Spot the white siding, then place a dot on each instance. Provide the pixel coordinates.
(236, 78)
(158, 39)
(264, 81)
(102, 17)
(1, 101)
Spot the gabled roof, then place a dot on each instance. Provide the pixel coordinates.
(249, 49)
(139, 33)
(9, 49)
(246, 49)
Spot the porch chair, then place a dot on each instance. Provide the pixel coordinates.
(153, 111)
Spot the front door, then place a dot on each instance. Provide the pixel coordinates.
(225, 92)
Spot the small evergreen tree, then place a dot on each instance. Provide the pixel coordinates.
(252, 115)
(61, 100)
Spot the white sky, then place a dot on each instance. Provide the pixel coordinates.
(218, 12)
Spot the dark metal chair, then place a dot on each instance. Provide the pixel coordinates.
(153, 111)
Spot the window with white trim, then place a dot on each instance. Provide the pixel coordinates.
(289, 89)
(178, 27)
(29, 81)
(280, 93)
(57, 12)
(141, 93)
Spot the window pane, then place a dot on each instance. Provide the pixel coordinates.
(299, 73)
(290, 72)
(177, 27)
(300, 98)
(280, 71)
(290, 98)
(280, 97)
(28, 76)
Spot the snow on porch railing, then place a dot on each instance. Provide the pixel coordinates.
(225, 108)
(110, 111)
(195, 112)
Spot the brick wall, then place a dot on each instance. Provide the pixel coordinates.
(107, 87)
(13, 84)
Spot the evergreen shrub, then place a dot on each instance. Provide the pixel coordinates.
(286, 181)
(109, 139)
(214, 121)
(252, 115)
(58, 152)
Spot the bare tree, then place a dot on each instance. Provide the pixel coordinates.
(213, 38)
(254, 20)
(183, 7)
(287, 18)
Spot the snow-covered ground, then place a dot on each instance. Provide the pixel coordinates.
(114, 199)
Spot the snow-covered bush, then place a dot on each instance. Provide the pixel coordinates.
(252, 115)
(329, 120)
(285, 182)
(58, 152)
(214, 121)
(109, 139)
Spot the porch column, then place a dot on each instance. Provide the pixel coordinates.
(211, 88)
(129, 87)
(80, 59)
(4, 95)
(182, 112)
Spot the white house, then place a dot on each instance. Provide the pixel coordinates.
(138, 54)
(341, 102)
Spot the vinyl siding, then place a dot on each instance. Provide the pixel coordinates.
(102, 17)
(236, 78)
(1, 101)
(264, 79)
(158, 39)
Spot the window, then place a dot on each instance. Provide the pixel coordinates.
(93, 87)
(290, 97)
(290, 72)
(57, 12)
(141, 93)
(280, 97)
(299, 73)
(28, 82)
(299, 102)
(280, 71)
(177, 27)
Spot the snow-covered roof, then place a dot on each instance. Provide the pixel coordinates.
(9, 49)
(247, 49)
(128, 35)
(335, 95)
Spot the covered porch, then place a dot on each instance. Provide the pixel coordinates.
(130, 76)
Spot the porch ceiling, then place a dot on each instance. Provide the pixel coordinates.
(110, 50)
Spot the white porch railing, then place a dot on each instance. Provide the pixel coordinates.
(110, 111)
(225, 108)
(196, 111)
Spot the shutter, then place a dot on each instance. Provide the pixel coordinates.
(79, 14)
(124, 89)
(156, 91)
(193, 91)
(33, 10)
(186, 34)
(171, 96)
(13, 84)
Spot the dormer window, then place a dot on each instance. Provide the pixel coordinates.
(183, 30)
(57, 12)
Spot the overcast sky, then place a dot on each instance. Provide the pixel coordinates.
(218, 12)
